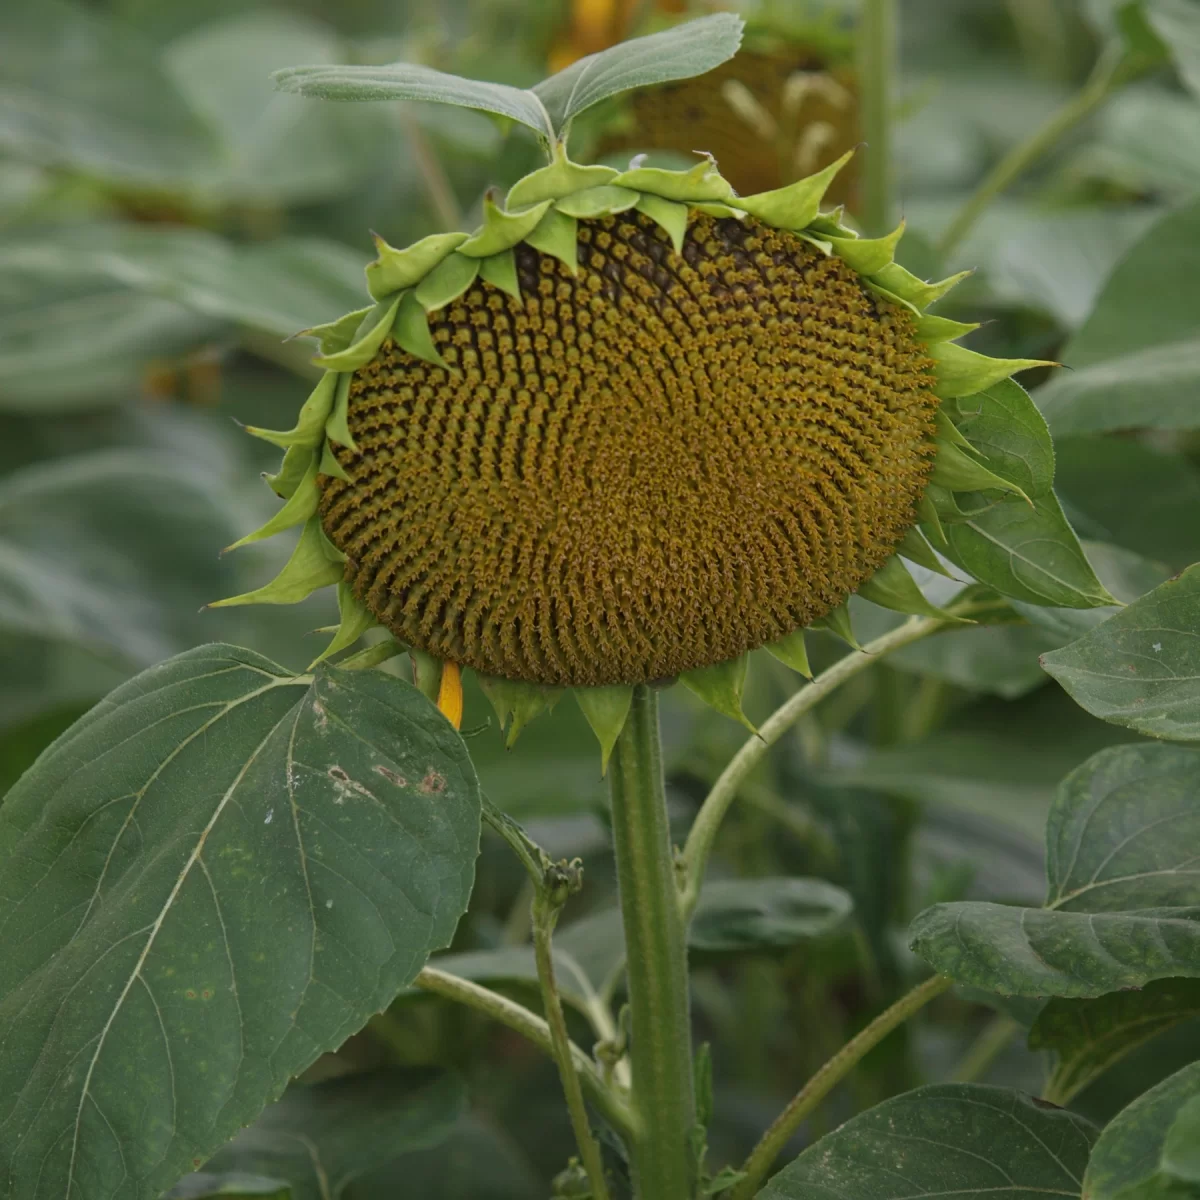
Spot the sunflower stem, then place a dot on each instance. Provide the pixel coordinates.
(826, 1079)
(718, 801)
(877, 70)
(1113, 69)
(661, 1152)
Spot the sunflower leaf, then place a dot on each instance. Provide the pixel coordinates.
(679, 53)
(408, 81)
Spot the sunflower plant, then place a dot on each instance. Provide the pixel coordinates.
(637, 428)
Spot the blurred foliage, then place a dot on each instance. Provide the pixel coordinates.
(167, 220)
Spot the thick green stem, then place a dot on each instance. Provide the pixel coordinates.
(876, 71)
(1110, 72)
(656, 962)
(826, 1079)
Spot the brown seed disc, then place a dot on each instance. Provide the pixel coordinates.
(650, 466)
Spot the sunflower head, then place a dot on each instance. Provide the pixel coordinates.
(631, 428)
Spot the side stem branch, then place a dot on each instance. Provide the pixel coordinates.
(724, 791)
(826, 1079)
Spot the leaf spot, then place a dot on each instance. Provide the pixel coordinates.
(344, 786)
(391, 776)
(433, 782)
(269, 817)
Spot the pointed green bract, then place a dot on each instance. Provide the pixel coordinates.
(372, 656)
(792, 652)
(949, 434)
(868, 255)
(311, 421)
(962, 372)
(426, 673)
(954, 469)
(702, 182)
(932, 329)
(557, 235)
(606, 709)
(299, 507)
(330, 465)
(394, 270)
(670, 215)
(720, 686)
(356, 620)
(916, 549)
(374, 328)
(446, 282)
(913, 290)
(291, 471)
(598, 201)
(794, 206)
(501, 272)
(502, 230)
(838, 623)
(336, 335)
(893, 587)
(517, 702)
(411, 331)
(337, 428)
(308, 568)
(559, 179)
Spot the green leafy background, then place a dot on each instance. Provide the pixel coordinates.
(167, 219)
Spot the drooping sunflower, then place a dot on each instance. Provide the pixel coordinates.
(631, 428)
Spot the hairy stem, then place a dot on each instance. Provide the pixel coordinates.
(717, 803)
(1111, 70)
(656, 962)
(826, 1079)
(529, 1025)
(545, 909)
(876, 72)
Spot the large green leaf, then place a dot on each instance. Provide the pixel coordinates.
(275, 148)
(1089, 1036)
(763, 914)
(1026, 551)
(79, 91)
(1141, 668)
(679, 53)
(1177, 22)
(278, 288)
(214, 877)
(1115, 489)
(1151, 1150)
(1004, 425)
(408, 81)
(318, 1139)
(955, 1141)
(1137, 358)
(1147, 140)
(114, 552)
(1123, 899)
(70, 344)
